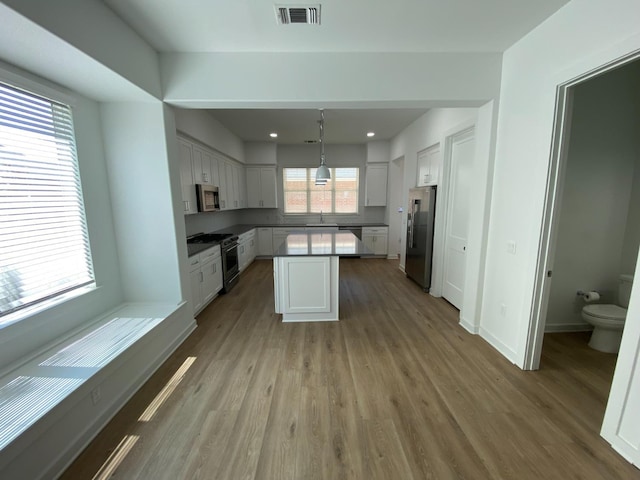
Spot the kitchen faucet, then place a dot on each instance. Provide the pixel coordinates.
(321, 219)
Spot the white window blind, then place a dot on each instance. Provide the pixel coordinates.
(44, 246)
(302, 195)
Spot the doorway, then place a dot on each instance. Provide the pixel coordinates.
(591, 229)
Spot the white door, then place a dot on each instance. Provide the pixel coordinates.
(621, 425)
(460, 178)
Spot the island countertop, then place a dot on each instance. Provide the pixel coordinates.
(324, 243)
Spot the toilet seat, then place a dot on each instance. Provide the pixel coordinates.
(606, 312)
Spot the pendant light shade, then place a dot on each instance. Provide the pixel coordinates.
(322, 174)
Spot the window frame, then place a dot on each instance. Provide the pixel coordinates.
(309, 172)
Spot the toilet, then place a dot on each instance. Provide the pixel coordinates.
(608, 319)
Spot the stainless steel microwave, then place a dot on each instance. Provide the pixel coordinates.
(208, 198)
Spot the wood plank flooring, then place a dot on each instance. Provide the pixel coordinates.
(395, 390)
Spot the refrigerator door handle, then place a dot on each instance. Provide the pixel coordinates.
(413, 213)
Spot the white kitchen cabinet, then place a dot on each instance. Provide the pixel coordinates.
(265, 241)
(242, 186)
(205, 167)
(428, 166)
(205, 273)
(280, 234)
(376, 185)
(261, 187)
(375, 239)
(187, 182)
(232, 193)
(246, 249)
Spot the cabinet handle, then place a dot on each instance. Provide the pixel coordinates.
(186, 205)
(214, 268)
(201, 277)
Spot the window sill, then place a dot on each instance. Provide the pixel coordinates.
(46, 305)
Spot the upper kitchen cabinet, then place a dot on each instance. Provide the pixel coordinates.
(186, 177)
(428, 166)
(261, 187)
(205, 167)
(231, 185)
(376, 185)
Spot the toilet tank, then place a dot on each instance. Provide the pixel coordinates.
(624, 290)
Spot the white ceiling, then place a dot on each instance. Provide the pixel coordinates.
(296, 126)
(346, 26)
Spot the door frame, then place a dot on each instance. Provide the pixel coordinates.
(552, 206)
(442, 203)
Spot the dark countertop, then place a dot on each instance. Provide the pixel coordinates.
(239, 229)
(325, 243)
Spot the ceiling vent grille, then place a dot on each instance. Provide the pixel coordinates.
(300, 14)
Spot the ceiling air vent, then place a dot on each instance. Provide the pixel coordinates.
(290, 14)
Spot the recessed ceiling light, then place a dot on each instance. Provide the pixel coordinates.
(370, 134)
(273, 135)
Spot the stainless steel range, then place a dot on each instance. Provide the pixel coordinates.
(229, 250)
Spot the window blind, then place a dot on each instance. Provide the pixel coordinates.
(44, 245)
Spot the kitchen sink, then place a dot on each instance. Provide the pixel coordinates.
(322, 224)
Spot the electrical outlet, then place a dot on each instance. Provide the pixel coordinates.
(511, 247)
(96, 395)
(503, 309)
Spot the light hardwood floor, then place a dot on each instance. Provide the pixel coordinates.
(395, 390)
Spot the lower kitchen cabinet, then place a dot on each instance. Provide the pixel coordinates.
(205, 273)
(265, 241)
(375, 239)
(247, 249)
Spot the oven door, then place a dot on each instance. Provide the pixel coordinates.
(230, 266)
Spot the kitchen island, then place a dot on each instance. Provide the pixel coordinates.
(306, 274)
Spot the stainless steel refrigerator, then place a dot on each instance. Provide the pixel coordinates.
(420, 218)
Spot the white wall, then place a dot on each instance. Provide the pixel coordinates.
(202, 126)
(632, 233)
(261, 153)
(82, 45)
(395, 201)
(580, 37)
(143, 201)
(603, 149)
(329, 80)
(378, 151)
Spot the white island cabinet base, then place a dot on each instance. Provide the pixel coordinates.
(306, 288)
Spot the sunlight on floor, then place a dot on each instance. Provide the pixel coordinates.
(115, 459)
(166, 392)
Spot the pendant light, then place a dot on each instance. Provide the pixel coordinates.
(322, 174)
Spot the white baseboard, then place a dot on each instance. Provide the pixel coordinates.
(469, 327)
(499, 346)
(401, 267)
(567, 327)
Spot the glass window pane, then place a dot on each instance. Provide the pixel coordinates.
(295, 202)
(321, 201)
(346, 202)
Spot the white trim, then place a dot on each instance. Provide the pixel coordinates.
(498, 345)
(469, 326)
(36, 85)
(567, 327)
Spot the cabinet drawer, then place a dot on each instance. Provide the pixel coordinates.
(209, 254)
(246, 236)
(194, 263)
(374, 230)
